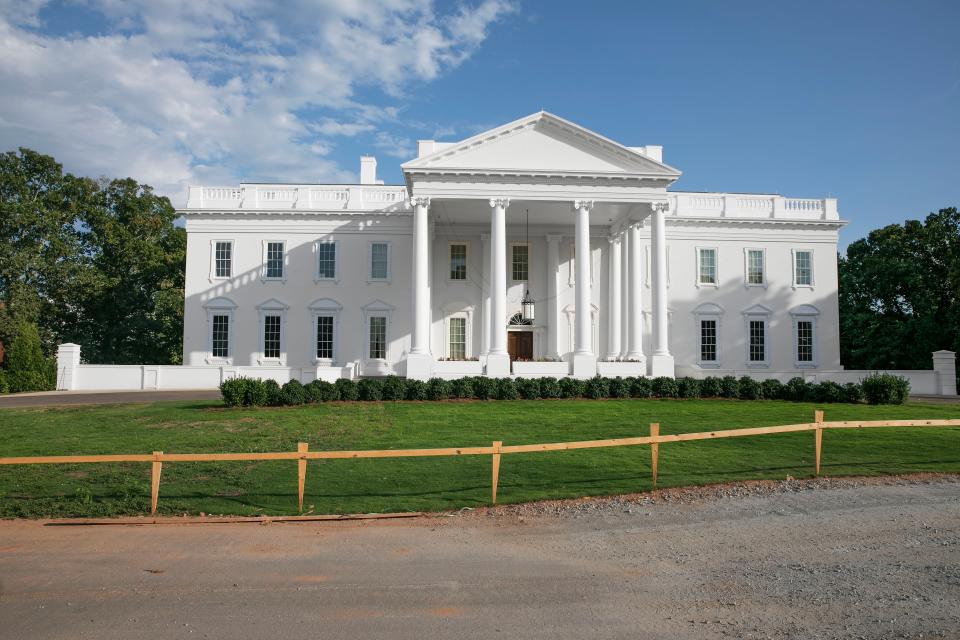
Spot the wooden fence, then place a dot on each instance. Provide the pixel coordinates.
(495, 450)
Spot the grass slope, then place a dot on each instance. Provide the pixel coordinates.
(351, 486)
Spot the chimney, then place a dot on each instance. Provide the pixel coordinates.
(368, 170)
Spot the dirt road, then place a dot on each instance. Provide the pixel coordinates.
(849, 559)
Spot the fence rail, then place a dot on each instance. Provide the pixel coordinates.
(495, 450)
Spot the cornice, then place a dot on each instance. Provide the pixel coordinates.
(679, 221)
(292, 214)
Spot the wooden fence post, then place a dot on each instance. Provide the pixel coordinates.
(817, 440)
(654, 450)
(496, 469)
(301, 474)
(155, 481)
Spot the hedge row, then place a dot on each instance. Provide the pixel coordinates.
(877, 389)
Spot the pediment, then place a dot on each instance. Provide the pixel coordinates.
(541, 144)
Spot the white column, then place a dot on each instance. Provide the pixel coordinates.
(584, 360)
(68, 364)
(419, 360)
(661, 362)
(635, 327)
(945, 364)
(498, 360)
(553, 299)
(613, 303)
(485, 294)
(625, 295)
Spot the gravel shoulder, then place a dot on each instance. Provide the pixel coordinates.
(846, 558)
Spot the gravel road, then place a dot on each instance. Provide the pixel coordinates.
(811, 559)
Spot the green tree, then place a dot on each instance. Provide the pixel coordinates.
(900, 294)
(27, 368)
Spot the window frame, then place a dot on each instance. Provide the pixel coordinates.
(793, 261)
(466, 262)
(389, 274)
(213, 258)
(757, 313)
(716, 267)
(377, 308)
(514, 245)
(272, 307)
(708, 312)
(449, 333)
(805, 313)
(283, 261)
(325, 307)
(763, 267)
(317, 278)
(220, 307)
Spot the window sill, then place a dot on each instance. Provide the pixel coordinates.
(758, 365)
(333, 281)
(378, 280)
(280, 280)
(707, 285)
(272, 362)
(804, 365)
(226, 362)
(219, 278)
(803, 286)
(324, 362)
(755, 286)
(709, 365)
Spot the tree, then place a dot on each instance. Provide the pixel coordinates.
(27, 368)
(900, 294)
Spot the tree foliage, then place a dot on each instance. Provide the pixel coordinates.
(900, 294)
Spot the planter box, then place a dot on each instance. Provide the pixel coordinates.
(621, 369)
(541, 369)
(453, 369)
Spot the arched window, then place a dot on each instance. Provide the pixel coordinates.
(518, 320)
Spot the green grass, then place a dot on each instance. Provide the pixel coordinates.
(351, 486)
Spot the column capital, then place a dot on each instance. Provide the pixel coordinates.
(420, 201)
(497, 202)
(582, 204)
(658, 207)
(554, 238)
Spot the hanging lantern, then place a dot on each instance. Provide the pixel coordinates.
(527, 307)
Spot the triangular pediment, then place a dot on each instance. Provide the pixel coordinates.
(541, 144)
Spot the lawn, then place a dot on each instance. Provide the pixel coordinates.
(351, 486)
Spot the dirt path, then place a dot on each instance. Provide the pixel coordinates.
(843, 559)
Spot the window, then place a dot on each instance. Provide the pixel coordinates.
(458, 262)
(707, 266)
(804, 341)
(274, 261)
(271, 336)
(520, 262)
(805, 336)
(223, 259)
(379, 261)
(325, 337)
(803, 268)
(378, 337)
(327, 260)
(220, 339)
(755, 267)
(758, 338)
(708, 341)
(458, 338)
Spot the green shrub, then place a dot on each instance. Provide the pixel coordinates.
(596, 388)
(255, 393)
(571, 388)
(619, 388)
(506, 389)
(322, 391)
(416, 390)
(233, 391)
(749, 389)
(484, 388)
(27, 368)
(370, 389)
(885, 388)
(4, 385)
(461, 388)
(688, 388)
(852, 393)
(828, 391)
(347, 389)
(797, 390)
(293, 393)
(771, 389)
(549, 387)
(311, 392)
(528, 388)
(393, 388)
(640, 387)
(664, 387)
(711, 388)
(439, 389)
(729, 387)
(273, 393)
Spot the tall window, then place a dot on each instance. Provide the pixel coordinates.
(803, 268)
(805, 341)
(708, 340)
(271, 336)
(758, 340)
(379, 261)
(458, 262)
(220, 346)
(708, 266)
(275, 260)
(458, 338)
(520, 262)
(223, 259)
(325, 337)
(378, 337)
(754, 266)
(327, 260)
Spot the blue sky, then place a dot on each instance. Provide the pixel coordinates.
(857, 100)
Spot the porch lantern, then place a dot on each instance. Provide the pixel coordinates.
(526, 306)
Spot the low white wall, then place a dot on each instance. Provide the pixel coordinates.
(541, 369)
(453, 369)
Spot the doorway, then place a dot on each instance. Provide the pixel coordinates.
(520, 345)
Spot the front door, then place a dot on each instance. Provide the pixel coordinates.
(520, 345)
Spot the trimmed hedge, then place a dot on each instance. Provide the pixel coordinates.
(249, 392)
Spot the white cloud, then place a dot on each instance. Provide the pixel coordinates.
(173, 92)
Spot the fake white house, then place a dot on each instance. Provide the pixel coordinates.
(535, 248)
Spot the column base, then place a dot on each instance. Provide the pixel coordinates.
(498, 365)
(584, 365)
(662, 366)
(419, 366)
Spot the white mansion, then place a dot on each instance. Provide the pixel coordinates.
(622, 275)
